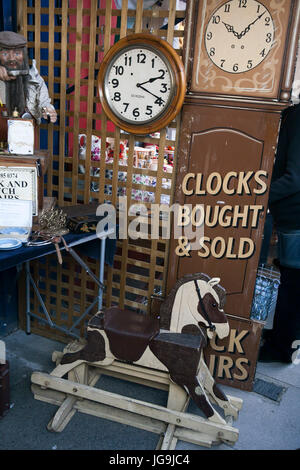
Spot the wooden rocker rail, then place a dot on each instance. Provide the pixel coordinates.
(171, 425)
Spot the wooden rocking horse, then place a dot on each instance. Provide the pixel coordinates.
(128, 344)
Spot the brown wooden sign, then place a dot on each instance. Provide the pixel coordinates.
(232, 360)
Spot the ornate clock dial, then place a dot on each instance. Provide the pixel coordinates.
(141, 83)
(239, 35)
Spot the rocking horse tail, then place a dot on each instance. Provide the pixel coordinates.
(93, 351)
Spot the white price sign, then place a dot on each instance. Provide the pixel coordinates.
(19, 183)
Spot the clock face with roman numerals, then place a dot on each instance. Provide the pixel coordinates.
(239, 35)
(141, 83)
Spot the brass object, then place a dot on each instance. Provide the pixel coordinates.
(53, 222)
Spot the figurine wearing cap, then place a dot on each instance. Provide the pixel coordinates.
(21, 87)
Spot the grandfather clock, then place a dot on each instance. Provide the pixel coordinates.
(240, 59)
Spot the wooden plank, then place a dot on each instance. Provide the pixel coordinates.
(125, 241)
(50, 89)
(62, 98)
(159, 177)
(139, 16)
(22, 17)
(77, 99)
(92, 53)
(171, 21)
(107, 31)
(101, 411)
(123, 28)
(37, 32)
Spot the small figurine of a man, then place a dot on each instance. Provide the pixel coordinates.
(22, 89)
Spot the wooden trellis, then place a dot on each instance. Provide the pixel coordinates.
(68, 40)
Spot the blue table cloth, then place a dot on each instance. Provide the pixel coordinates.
(11, 258)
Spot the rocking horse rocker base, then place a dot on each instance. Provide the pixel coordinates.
(131, 346)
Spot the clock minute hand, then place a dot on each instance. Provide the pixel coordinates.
(150, 92)
(230, 29)
(249, 25)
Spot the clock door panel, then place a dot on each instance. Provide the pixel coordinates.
(235, 146)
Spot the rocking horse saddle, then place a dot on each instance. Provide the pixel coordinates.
(129, 333)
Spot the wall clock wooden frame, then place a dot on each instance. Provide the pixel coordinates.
(270, 80)
(177, 83)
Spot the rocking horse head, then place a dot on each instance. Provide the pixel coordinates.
(199, 300)
(210, 308)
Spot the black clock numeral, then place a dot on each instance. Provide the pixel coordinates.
(119, 69)
(222, 62)
(128, 61)
(149, 110)
(162, 75)
(267, 21)
(141, 58)
(235, 67)
(159, 101)
(243, 4)
(164, 88)
(249, 64)
(212, 51)
(125, 106)
(269, 37)
(117, 96)
(216, 19)
(136, 112)
(227, 8)
(115, 82)
(209, 35)
(263, 53)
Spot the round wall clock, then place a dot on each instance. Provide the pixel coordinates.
(141, 84)
(239, 35)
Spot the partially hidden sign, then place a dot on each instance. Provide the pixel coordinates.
(232, 360)
(19, 183)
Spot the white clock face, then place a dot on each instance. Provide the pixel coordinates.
(138, 84)
(239, 35)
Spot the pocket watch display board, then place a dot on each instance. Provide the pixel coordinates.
(240, 59)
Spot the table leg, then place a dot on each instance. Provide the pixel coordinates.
(27, 271)
(101, 272)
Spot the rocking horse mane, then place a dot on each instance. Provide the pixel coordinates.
(167, 305)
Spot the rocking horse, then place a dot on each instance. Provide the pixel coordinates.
(136, 345)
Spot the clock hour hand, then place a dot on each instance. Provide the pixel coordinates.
(230, 29)
(249, 25)
(151, 80)
(150, 92)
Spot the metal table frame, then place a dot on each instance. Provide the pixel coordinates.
(99, 281)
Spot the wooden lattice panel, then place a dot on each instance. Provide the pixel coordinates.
(68, 41)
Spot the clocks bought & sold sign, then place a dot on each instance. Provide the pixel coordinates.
(201, 215)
